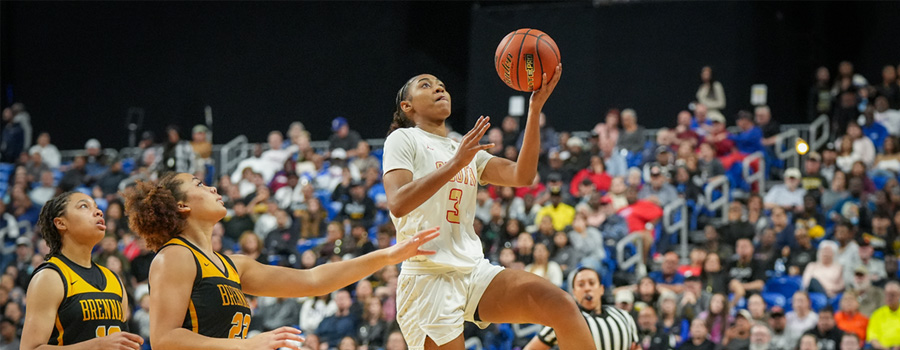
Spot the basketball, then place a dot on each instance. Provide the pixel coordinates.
(523, 56)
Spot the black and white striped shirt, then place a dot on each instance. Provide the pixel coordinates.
(612, 329)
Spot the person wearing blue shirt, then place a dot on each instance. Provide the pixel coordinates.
(874, 130)
(333, 328)
(668, 276)
(749, 140)
(858, 211)
(700, 124)
(616, 165)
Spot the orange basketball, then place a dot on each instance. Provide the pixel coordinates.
(523, 56)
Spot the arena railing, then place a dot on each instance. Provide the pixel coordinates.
(758, 177)
(679, 206)
(232, 153)
(636, 260)
(240, 147)
(817, 139)
(718, 184)
(785, 148)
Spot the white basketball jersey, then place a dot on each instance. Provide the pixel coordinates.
(452, 207)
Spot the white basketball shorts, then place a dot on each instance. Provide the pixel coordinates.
(436, 305)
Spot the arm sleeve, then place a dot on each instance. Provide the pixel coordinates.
(547, 336)
(399, 151)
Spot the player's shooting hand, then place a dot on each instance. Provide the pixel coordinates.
(411, 247)
(539, 97)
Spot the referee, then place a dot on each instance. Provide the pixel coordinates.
(611, 328)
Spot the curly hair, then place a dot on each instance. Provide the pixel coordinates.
(152, 210)
(53, 209)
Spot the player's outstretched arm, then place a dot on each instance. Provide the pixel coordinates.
(45, 293)
(282, 282)
(520, 173)
(172, 276)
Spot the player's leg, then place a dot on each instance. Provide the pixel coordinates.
(430, 310)
(456, 344)
(516, 296)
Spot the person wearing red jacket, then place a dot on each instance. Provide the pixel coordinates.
(641, 216)
(596, 173)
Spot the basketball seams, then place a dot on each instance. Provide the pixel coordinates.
(540, 63)
(519, 60)
(552, 48)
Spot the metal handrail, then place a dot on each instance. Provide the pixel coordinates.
(680, 227)
(721, 183)
(635, 260)
(228, 161)
(818, 139)
(759, 177)
(787, 138)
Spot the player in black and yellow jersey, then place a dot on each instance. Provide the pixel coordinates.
(72, 302)
(197, 295)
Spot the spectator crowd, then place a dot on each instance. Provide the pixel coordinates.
(809, 262)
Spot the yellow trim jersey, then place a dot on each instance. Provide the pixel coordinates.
(217, 307)
(92, 306)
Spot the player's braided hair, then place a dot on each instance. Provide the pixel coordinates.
(152, 210)
(53, 209)
(400, 119)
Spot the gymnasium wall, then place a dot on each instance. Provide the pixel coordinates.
(79, 66)
(648, 55)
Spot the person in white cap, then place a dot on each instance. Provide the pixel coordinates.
(788, 195)
(738, 336)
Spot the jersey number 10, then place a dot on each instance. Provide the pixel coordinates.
(102, 331)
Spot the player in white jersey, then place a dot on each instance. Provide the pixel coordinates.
(430, 181)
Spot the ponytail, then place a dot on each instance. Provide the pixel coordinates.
(400, 119)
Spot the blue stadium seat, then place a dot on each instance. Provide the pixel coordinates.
(308, 244)
(7, 168)
(379, 154)
(128, 165)
(836, 301)
(880, 181)
(634, 159)
(57, 175)
(785, 285)
(6, 171)
(818, 301)
(210, 173)
(775, 299)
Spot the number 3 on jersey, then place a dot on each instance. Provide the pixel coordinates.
(240, 324)
(455, 197)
